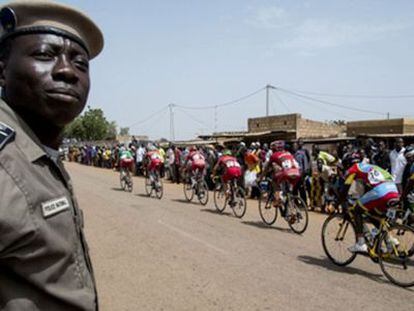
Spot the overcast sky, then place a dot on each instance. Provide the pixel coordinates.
(207, 52)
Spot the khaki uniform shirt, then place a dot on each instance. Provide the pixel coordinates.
(44, 260)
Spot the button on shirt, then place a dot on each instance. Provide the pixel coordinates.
(44, 261)
(398, 163)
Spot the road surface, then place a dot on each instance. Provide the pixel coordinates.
(167, 254)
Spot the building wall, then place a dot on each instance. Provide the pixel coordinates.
(294, 122)
(310, 129)
(408, 126)
(393, 126)
(273, 123)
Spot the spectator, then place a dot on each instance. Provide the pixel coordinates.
(171, 161)
(140, 153)
(398, 162)
(382, 157)
(304, 160)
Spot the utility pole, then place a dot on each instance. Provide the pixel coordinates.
(215, 118)
(172, 134)
(268, 88)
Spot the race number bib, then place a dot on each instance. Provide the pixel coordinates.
(155, 156)
(287, 164)
(375, 177)
(230, 164)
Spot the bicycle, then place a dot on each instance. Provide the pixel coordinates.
(292, 208)
(233, 195)
(196, 185)
(153, 183)
(390, 244)
(125, 179)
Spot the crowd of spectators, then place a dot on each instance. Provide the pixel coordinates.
(321, 167)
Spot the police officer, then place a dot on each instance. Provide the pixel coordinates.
(45, 48)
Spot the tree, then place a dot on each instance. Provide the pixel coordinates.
(95, 124)
(111, 134)
(124, 131)
(92, 125)
(75, 129)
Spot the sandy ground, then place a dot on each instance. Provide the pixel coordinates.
(167, 254)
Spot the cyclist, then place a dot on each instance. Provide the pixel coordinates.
(284, 168)
(126, 161)
(228, 168)
(380, 190)
(154, 162)
(195, 162)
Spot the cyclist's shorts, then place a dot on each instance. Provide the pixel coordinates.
(127, 163)
(155, 164)
(378, 197)
(198, 166)
(292, 176)
(232, 173)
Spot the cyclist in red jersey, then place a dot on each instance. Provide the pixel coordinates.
(195, 162)
(283, 166)
(228, 166)
(153, 160)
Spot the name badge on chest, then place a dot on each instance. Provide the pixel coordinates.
(53, 207)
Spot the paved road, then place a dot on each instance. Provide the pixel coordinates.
(166, 254)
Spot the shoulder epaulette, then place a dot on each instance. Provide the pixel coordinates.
(7, 134)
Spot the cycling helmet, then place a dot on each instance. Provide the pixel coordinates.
(409, 152)
(278, 145)
(227, 152)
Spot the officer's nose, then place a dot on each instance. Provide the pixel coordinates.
(64, 70)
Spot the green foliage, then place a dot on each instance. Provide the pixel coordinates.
(92, 125)
(124, 131)
(112, 132)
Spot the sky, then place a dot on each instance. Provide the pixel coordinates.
(195, 54)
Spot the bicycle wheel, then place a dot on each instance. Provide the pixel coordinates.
(158, 187)
(396, 255)
(148, 186)
(202, 192)
(188, 191)
(220, 200)
(129, 184)
(338, 234)
(239, 206)
(122, 180)
(267, 211)
(298, 214)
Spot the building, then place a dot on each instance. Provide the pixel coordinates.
(376, 127)
(293, 126)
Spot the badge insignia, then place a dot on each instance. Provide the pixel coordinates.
(6, 134)
(53, 207)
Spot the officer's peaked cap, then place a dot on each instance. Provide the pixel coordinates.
(21, 17)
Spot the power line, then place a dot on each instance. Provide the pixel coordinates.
(329, 103)
(281, 101)
(319, 105)
(232, 102)
(356, 95)
(149, 117)
(156, 122)
(194, 118)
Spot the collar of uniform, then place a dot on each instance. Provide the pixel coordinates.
(25, 139)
